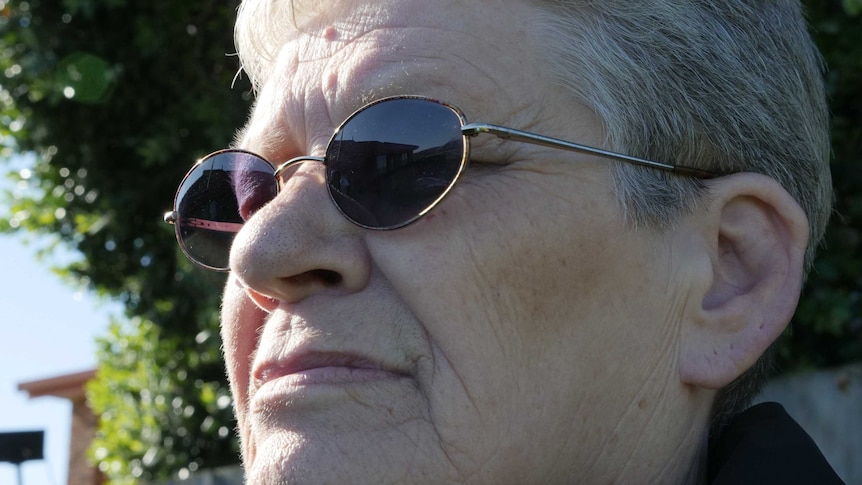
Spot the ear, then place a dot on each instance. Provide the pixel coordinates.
(753, 237)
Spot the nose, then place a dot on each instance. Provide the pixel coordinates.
(299, 245)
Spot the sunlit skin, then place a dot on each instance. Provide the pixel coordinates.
(522, 332)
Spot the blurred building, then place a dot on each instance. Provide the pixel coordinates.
(84, 422)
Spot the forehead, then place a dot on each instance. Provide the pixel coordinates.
(264, 26)
(315, 66)
(275, 39)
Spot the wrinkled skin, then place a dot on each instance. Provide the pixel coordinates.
(520, 333)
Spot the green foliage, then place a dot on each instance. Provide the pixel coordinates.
(827, 329)
(852, 7)
(143, 392)
(112, 100)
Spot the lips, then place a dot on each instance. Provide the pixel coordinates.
(334, 368)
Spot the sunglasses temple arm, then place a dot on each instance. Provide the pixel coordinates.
(474, 129)
(171, 217)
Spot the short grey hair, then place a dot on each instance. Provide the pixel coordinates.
(725, 86)
(257, 36)
(729, 86)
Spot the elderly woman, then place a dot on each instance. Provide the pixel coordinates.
(548, 242)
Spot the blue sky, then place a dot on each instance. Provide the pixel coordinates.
(47, 328)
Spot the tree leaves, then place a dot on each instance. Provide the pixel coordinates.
(827, 327)
(113, 101)
(161, 414)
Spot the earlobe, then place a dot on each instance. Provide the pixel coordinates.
(755, 235)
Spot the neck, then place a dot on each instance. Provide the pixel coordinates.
(686, 462)
(696, 474)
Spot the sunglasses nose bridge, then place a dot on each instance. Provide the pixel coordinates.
(293, 162)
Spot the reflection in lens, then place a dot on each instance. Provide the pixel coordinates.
(253, 189)
(216, 198)
(393, 160)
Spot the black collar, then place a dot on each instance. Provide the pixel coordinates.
(764, 446)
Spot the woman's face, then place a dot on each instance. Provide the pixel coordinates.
(518, 333)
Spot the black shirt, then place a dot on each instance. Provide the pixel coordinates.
(763, 446)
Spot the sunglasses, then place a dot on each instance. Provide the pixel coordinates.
(386, 166)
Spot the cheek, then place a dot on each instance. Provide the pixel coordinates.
(504, 313)
(241, 320)
(494, 296)
(510, 267)
(494, 258)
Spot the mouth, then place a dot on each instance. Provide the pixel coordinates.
(306, 373)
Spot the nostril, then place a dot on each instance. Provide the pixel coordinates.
(324, 276)
(329, 277)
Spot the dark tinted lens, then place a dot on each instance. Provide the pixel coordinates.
(216, 198)
(392, 161)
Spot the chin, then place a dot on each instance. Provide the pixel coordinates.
(306, 463)
(291, 449)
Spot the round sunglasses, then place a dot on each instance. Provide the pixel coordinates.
(386, 166)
